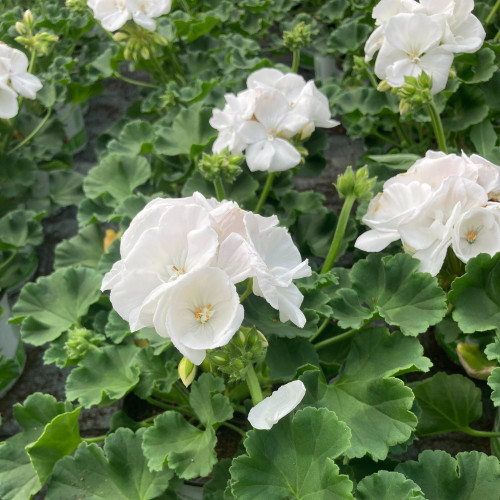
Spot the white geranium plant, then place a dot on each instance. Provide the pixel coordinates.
(215, 304)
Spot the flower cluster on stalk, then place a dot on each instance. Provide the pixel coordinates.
(180, 262)
(113, 14)
(441, 201)
(264, 119)
(414, 37)
(15, 80)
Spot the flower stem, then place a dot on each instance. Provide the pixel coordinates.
(295, 61)
(345, 335)
(437, 125)
(491, 15)
(219, 189)
(159, 69)
(135, 82)
(248, 290)
(339, 233)
(96, 439)
(33, 133)
(9, 259)
(253, 385)
(241, 432)
(265, 192)
(476, 433)
(320, 329)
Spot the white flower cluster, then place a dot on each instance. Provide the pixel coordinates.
(180, 261)
(113, 14)
(422, 36)
(441, 201)
(14, 80)
(262, 119)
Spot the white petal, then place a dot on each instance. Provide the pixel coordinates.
(375, 241)
(265, 77)
(8, 102)
(280, 403)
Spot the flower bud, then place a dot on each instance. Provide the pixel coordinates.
(119, 36)
(21, 28)
(298, 38)
(404, 106)
(356, 183)
(28, 19)
(223, 165)
(80, 342)
(187, 371)
(383, 86)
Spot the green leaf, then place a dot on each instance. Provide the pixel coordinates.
(49, 447)
(294, 459)
(375, 405)
(107, 372)
(391, 287)
(465, 108)
(401, 161)
(207, 402)
(116, 328)
(20, 228)
(18, 478)
(471, 476)
(349, 36)
(385, 485)
(175, 140)
(66, 187)
(118, 472)
(54, 303)
(117, 175)
(187, 450)
(136, 138)
(477, 67)
(494, 383)
(483, 137)
(285, 356)
(156, 373)
(448, 402)
(84, 249)
(476, 295)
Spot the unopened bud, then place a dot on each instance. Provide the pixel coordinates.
(119, 36)
(80, 342)
(357, 183)
(452, 73)
(21, 28)
(28, 19)
(298, 38)
(404, 106)
(383, 86)
(187, 371)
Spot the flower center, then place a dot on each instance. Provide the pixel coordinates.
(203, 314)
(175, 272)
(413, 56)
(471, 236)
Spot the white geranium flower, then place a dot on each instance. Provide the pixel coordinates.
(275, 262)
(382, 12)
(14, 80)
(113, 14)
(289, 84)
(477, 231)
(203, 312)
(268, 148)
(488, 174)
(238, 109)
(280, 403)
(411, 45)
(180, 242)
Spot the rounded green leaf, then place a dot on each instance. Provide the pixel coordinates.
(448, 402)
(20, 228)
(476, 295)
(471, 476)
(385, 485)
(294, 459)
(494, 383)
(118, 472)
(54, 303)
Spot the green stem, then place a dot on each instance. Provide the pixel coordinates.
(400, 130)
(106, 32)
(185, 6)
(96, 439)
(320, 329)
(33, 133)
(219, 189)
(437, 125)
(343, 336)
(248, 290)
(497, 37)
(385, 138)
(295, 61)
(476, 433)
(241, 432)
(491, 15)
(177, 66)
(159, 69)
(265, 192)
(371, 77)
(9, 259)
(135, 82)
(253, 385)
(339, 233)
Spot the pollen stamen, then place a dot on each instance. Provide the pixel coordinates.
(203, 313)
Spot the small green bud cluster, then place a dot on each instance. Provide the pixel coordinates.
(248, 346)
(415, 92)
(298, 38)
(140, 42)
(40, 42)
(77, 5)
(357, 183)
(80, 342)
(168, 99)
(223, 165)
